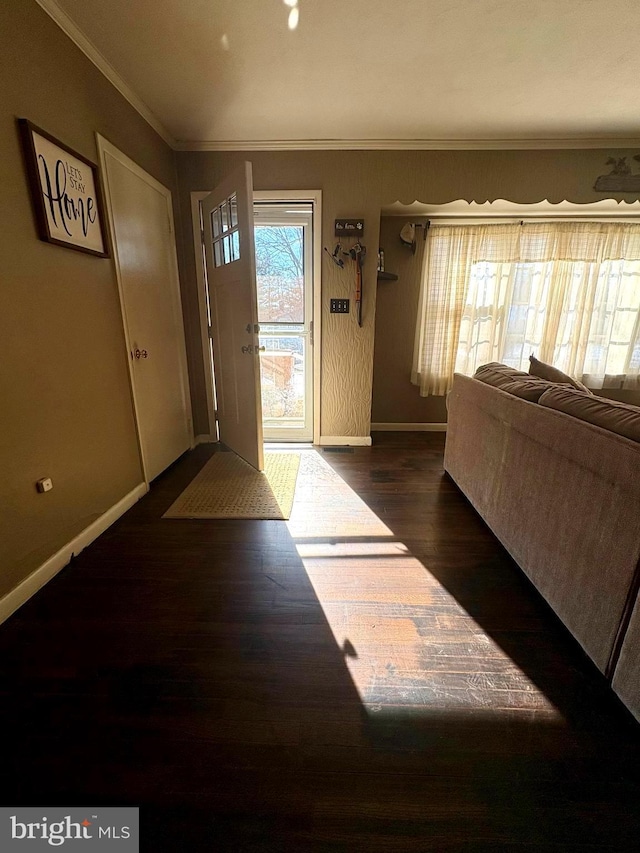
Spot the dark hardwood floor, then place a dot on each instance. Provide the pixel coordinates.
(376, 675)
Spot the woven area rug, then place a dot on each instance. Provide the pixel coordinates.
(228, 487)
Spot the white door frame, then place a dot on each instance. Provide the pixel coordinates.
(315, 198)
(106, 148)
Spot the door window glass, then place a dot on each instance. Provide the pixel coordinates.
(226, 238)
(280, 273)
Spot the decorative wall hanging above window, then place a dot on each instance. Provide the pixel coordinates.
(620, 179)
(66, 193)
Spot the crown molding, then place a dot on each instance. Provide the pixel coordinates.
(407, 144)
(73, 31)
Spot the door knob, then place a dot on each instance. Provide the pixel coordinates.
(141, 353)
(260, 349)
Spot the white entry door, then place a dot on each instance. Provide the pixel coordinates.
(227, 223)
(141, 218)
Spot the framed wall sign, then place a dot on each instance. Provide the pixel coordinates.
(65, 191)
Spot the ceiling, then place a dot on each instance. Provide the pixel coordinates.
(370, 73)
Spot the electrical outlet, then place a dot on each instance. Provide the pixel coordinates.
(44, 485)
(339, 306)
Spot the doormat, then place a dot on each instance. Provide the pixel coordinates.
(228, 487)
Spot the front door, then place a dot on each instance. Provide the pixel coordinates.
(227, 222)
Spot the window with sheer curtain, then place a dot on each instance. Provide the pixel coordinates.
(569, 292)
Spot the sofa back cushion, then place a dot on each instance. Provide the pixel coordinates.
(553, 374)
(620, 418)
(513, 381)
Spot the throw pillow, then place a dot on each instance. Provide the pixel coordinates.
(554, 374)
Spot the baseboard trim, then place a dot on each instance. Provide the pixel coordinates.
(204, 439)
(345, 440)
(43, 574)
(407, 427)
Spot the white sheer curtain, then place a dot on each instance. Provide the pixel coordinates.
(567, 291)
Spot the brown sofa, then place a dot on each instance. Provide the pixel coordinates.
(563, 497)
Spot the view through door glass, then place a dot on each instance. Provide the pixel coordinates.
(283, 266)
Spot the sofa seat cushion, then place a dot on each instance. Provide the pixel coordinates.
(620, 418)
(513, 381)
(553, 374)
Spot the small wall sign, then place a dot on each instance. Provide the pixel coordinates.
(65, 192)
(349, 227)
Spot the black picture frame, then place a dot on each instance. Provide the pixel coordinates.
(65, 192)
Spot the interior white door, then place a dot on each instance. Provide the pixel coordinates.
(227, 222)
(141, 220)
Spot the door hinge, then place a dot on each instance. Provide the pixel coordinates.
(202, 236)
(210, 331)
(311, 332)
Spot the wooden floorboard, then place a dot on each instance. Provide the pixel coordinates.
(375, 674)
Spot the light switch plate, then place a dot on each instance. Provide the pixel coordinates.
(339, 306)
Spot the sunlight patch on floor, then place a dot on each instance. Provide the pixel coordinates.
(407, 641)
(355, 549)
(326, 507)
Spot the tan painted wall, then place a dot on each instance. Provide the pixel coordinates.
(359, 183)
(65, 409)
(394, 398)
